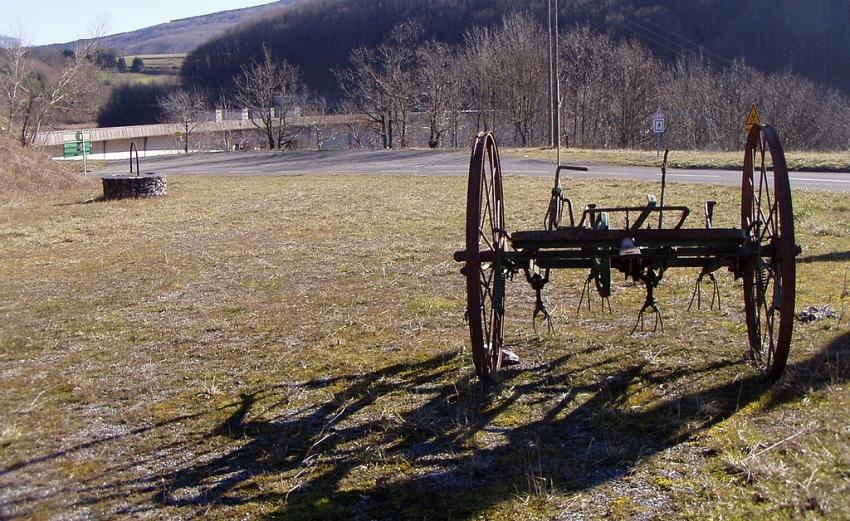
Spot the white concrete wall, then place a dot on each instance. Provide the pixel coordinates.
(114, 142)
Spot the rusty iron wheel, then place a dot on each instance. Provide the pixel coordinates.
(485, 243)
(770, 275)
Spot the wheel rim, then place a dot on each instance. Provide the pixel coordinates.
(770, 274)
(485, 242)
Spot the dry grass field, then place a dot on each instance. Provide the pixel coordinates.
(797, 161)
(294, 348)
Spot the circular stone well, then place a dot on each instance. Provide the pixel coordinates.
(124, 186)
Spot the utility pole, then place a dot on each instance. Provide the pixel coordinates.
(551, 80)
(554, 81)
(557, 117)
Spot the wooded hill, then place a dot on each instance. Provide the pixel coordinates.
(317, 36)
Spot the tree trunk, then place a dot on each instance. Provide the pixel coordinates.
(270, 136)
(384, 141)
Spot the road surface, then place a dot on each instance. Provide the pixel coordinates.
(428, 162)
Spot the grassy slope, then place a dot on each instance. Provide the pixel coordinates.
(27, 172)
(294, 347)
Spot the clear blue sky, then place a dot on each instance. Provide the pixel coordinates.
(54, 21)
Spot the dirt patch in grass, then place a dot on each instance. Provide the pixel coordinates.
(294, 347)
(27, 172)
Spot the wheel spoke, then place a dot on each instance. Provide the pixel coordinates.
(765, 181)
(771, 338)
(764, 188)
(770, 219)
(494, 210)
(761, 180)
(488, 209)
(486, 279)
(486, 287)
(486, 240)
(490, 328)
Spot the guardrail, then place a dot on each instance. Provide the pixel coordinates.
(56, 138)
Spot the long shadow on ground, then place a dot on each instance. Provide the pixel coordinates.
(594, 442)
(340, 449)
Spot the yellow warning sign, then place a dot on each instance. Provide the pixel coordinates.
(753, 118)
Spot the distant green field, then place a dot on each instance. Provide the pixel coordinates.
(159, 69)
(160, 62)
(136, 78)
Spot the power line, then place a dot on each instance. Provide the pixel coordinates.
(650, 39)
(691, 47)
(650, 35)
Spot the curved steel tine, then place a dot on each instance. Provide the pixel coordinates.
(546, 317)
(697, 294)
(716, 292)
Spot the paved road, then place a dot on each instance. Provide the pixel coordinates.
(425, 162)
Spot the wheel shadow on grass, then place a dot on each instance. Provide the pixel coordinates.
(424, 440)
(455, 450)
(834, 256)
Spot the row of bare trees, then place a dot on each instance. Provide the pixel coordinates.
(497, 79)
(381, 85)
(609, 92)
(34, 97)
(271, 90)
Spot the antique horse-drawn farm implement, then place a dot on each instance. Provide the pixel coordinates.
(761, 252)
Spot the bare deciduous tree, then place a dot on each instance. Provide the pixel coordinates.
(222, 106)
(185, 107)
(366, 91)
(32, 99)
(522, 74)
(635, 73)
(440, 86)
(380, 83)
(360, 135)
(482, 69)
(585, 86)
(15, 69)
(689, 93)
(271, 90)
(316, 107)
(508, 72)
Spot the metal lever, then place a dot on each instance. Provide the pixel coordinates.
(709, 214)
(650, 206)
(663, 187)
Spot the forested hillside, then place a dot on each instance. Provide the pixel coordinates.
(808, 38)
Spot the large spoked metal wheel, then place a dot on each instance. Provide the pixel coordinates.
(770, 274)
(486, 236)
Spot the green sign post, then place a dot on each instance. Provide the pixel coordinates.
(76, 149)
(78, 143)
